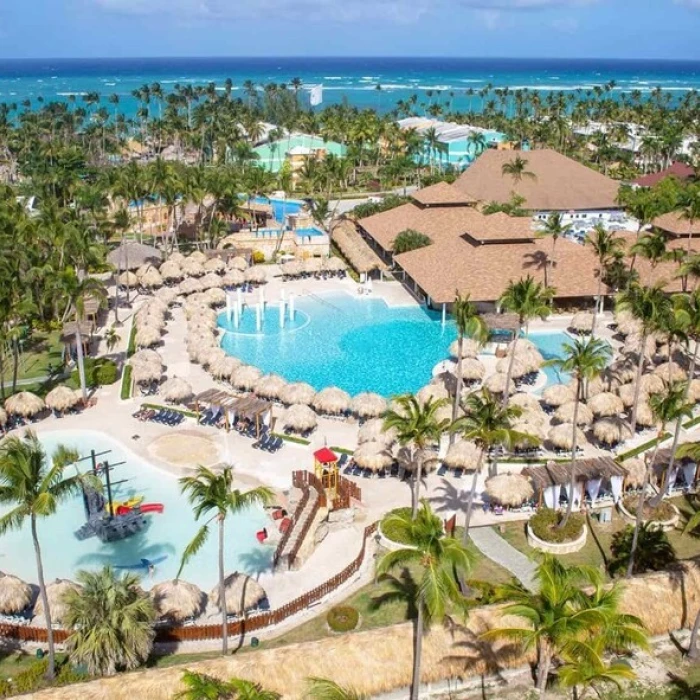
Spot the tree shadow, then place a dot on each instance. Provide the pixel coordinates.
(598, 543)
(450, 498)
(681, 689)
(403, 588)
(256, 562)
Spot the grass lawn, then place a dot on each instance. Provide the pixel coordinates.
(41, 351)
(596, 551)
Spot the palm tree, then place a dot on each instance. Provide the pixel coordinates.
(528, 299)
(651, 247)
(324, 689)
(647, 305)
(562, 613)
(416, 426)
(553, 228)
(469, 324)
(667, 407)
(112, 621)
(653, 553)
(488, 424)
(34, 490)
(517, 169)
(690, 201)
(605, 245)
(436, 559)
(213, 495)
(584, 359)
(200, 686)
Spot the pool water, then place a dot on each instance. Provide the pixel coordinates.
(162, 542)
(281, 208)
(309, 232)
(551, 346)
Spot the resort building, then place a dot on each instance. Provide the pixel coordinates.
(472, 253)
(676, 226)
(460, 143)
(681, 171)
(297, 149)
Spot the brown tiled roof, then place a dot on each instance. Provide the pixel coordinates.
(442, 193)
(501, 227)
(677, 169)
(674, 223)
(561, 183)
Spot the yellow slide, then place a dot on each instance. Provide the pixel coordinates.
(130, 503)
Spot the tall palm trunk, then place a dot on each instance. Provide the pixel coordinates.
(470, 502)
(222, 590)
(417, 652)
(15, 362)
(572, 475)
(44, 600)
(543, 663)
(637, 381)
(596, 311)
(79, 353)
(460, 384)
(693, 651)
(510, 365)
(417, 477)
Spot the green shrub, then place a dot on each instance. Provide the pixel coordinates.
(391, 201)
(131, 347)
(98, 371)
(106, 374)
(654, 551)
(545, 525)
(660, 513)
(258, 257)
(126, 383)
(388, 530)
(30, 678)
(408, 240)
(343, 618)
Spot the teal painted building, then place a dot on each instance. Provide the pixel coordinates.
(272, 155)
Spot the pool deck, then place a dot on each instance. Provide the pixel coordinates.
(252, 467)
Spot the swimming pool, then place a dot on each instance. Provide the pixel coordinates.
(551, 346)
(281, 208)
(161, 542)
(300, 232)
(357, 344)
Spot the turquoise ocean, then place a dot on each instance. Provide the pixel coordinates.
(354, 80)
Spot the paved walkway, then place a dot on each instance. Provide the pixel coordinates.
(493, 546)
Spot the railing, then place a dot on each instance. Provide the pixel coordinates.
(308, 481)
(297, 514)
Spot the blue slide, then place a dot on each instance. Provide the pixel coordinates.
(144, 564)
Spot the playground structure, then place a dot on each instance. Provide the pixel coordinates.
(326, 471)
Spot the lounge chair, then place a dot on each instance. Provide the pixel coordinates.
(357, 471)
(459, 472)
(367, 473)
(442, 470)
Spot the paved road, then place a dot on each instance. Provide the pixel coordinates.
(493, 546)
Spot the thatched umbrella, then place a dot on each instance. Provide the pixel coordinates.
(606, 404)
(130, 256)
(636, 471)
(312, 265)
(651, 383)
(522, 345)
(472, 369)
(670, 371)
(214, 265)
(233, 278)
(197, 256)
(436, 392)
(151, 278)
(176, 389)
(509, 490)
(526, 401)
(128, 279)
(245, 377)
(147, 337)
(558, 394)
(176, 601)
(215, 296)
(582, 322)
(496, 384)
(256, 275)
(146, 373)
(15, 594)
(624, 370)
(270, 386)
(146, 356)
(241, 593)
(55, 593)
(562, 436)
(299, 418)
(189, 286)
(177, 257)
(531, 360)
(154, 321)
(611, 430)
(292, 269)
(519, 369)
(606, 381)
(565, 413)
(214, 355)
(645, 416)
(626, 393)
(373, 455)
(223, 367)
(61, 398)
(368, 405)
(192, 268)
(527, 426)
(373, 431)
(332, 400)
(470, 348)
(211, 280)
(463, 454)
(335, 264)
(3, 416)
(167, 295)
(694, 390)
(626, 323)
(238, 263)
(633, 344)
(170, 271)
(297, 392)
(24, 403)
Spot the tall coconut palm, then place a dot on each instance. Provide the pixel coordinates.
(583, 359)
(111, 620)
(517, 169)
(606, 245)
(416, 426)
(690, 201)
(436, 558)
(488, 424)
(212, 494)
(651, 247)
(553, 228)
(528, 300)
(469, 325)
(33, 490)
(666, 407)
(647, 305)
(569, 607)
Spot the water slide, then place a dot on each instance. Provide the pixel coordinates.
(144, 508)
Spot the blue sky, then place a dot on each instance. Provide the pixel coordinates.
(559, 28)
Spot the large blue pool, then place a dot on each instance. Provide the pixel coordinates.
(162, 542)
(281, 208)
(358, 344)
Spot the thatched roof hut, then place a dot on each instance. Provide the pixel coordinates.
(130, 256)
(297, 392)
(368, 405)
(215, 296)
(335, 264)
(176, 389)
(565, 413)
(15, 594)
(463, 454)
(245, 377)
(24, 403)
(61, 398)
(300, 418)
(611, 430)
(558, 394)
(626, 323)
(332, 400)
(496, 384)
(555, 474)
(270, 386)
(176, 601)
(373, 455)
(562, 436)
(633, 345)
(55, 593)
(470, 348)
(509, 490)
(606, 404)
(694, 390)
(241, 593)
(582, 322)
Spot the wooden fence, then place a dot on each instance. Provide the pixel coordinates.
(295, 518)
(306, 480)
